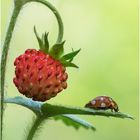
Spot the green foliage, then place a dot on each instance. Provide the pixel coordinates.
(69, 64)
(70, 56)
(66, 60)
(59, 112)
(46, 42)
(74, 121)
(49, 110)
(64, 113)
(28, 103)
(43, 43)
(57, 50)
(53, 110)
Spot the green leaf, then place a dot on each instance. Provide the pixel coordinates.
(45, 110)
(54, 110)
(57, 50)
(76, 122)
(40, 42)
(26, 102)
(48, 110)
(71, 55)
(68, 64)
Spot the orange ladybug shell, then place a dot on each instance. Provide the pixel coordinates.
(103, 102)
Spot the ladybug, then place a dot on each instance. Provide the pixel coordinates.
(103, 103)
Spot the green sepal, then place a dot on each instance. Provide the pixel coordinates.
(57, 50)
(73, 57)
(70, 56)
(68, 64)
(46, 42)
(43, 42)
(40, 42)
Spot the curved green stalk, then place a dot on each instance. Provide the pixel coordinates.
(4, 55)
(17, 7)
(57, 15)
(35, 126)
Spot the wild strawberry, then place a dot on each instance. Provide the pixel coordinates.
(40, 75)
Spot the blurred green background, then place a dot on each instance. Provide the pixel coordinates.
(107, 33)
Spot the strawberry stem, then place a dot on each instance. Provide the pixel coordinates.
(5, 53)
(18, 4)
(39, 119)
(57, 15)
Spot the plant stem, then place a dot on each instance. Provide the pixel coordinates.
(35, 126)
(57, 15)
(17, 7)
(4, 55)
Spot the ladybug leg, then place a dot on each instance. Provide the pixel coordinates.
(111, 110)
(111, 107)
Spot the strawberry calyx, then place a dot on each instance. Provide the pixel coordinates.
(57, 50)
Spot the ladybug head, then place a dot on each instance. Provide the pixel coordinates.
(116, 109)
(87, 105)
(114, 106)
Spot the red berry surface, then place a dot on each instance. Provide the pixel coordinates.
(38, 75)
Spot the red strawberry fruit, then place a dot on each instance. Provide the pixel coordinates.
(41, 74)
